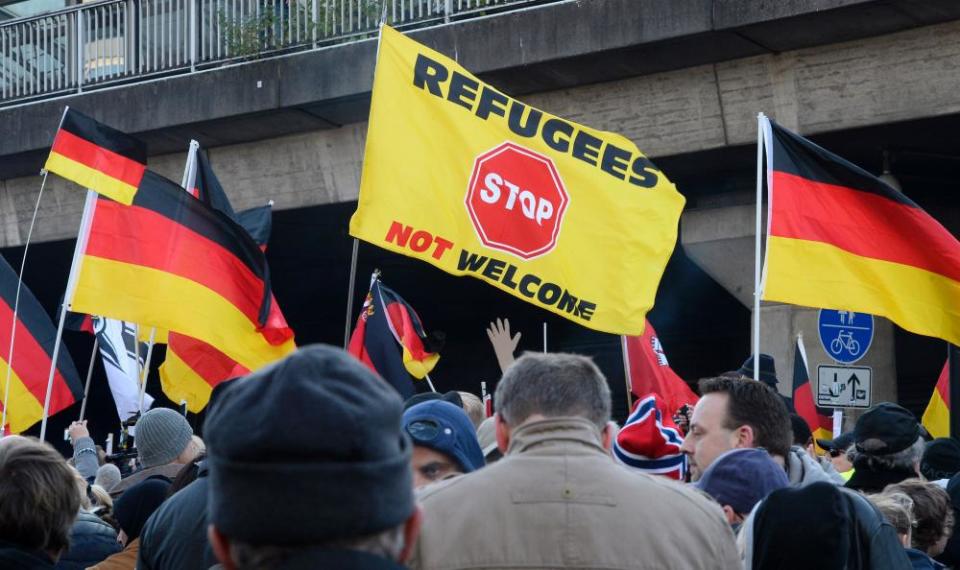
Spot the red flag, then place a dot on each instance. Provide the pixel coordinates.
(649, 371)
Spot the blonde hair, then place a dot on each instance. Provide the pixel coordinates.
(897, 509)
(81, 484)
(474, 408)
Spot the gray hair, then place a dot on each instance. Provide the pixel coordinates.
(553, 385)
(904, 459)
(386, 544)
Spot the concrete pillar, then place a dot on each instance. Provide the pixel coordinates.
(721, 241)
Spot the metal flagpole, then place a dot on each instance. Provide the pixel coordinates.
(350, 292)
(146, 366)
(756, 251)
(626, 372)
(429, 383)
(953, 387)
(545, 336)
(82, 236)
(86, 387)
(16, 303)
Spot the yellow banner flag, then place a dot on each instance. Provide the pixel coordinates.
(457, 174)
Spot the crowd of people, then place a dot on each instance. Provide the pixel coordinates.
(315, 462)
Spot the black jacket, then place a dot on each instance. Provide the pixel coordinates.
(339, 559)
(12, 557)
(91, 541)
(873, 481)
(175, 536)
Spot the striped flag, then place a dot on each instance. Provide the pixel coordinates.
(32, 353)
(97, 157)
(841, 238)
(936, 418)
(123, 361)
(170, 261)
(650, 442)
(819, 419)
(646, 362)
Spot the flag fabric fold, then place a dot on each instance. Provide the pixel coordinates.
(170, 261)
(650, 372)
(385, 321)
(123, 359)
(31, 359)
(97, 157)
(840, 238)
(649, 440)
(819, 419)
(936, 418)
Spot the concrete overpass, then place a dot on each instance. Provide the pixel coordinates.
(684, 79)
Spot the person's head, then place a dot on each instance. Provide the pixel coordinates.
(802, 435)
(308, 453)
(39, 498)
(487, 438)
(739, 479)
(444, 441)
(837, 449)
(135, 506)
(897, 509)
(941, 459)
(887, 438)
(473, 405)
(187, 474)
(735, 412)
(108, 475)
(540, 386)
(932, 514)
(767, 373)
(164, 436)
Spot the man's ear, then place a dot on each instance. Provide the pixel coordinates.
(729, 514)
(744, 437)
(221, 547)
(411, 531)
(608, 434)
(503, 434)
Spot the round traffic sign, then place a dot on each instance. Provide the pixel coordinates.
(845, 335)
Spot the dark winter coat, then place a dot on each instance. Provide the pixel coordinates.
(91, 541)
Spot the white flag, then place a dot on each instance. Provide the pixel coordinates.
(118, 346)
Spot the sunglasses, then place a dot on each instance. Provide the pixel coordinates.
(836, 452)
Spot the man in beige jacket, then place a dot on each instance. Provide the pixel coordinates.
(557, 499)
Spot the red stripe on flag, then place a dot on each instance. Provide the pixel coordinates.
(31, 362)
(943, 384)
(204, 359)
(862, 223)
(110, 163)
(135, 235)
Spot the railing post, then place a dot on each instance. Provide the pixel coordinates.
(315, 21)
(447, 11)
(194, 9)
(80, 51)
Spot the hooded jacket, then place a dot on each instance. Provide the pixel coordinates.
(848, 531)
(558, 500)
(91, 541)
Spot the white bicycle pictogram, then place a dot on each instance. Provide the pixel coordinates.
(846, 341)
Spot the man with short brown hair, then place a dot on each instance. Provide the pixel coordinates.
(39, 501)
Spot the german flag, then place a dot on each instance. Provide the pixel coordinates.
(386, 320)
(97, 157)
(819, 419)
(32, 354)
(838, 237)
(172, 262)
(936, 418)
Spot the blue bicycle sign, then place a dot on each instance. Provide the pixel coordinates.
(845, 335)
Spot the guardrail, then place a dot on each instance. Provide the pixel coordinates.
(102, 43)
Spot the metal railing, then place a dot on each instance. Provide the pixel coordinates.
(111, 41)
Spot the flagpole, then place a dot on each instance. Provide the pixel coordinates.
(544, 336)
(16, 300)
(82, 237)
(756, 251)
(86, 387)
(350, 292)
(146, 366)
(953, 387)
(429, 383)
(626, 372)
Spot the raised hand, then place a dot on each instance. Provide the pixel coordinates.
(503, 344)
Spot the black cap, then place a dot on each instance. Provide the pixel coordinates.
(839, 443)
(768, 370)
(941, 459)
(308, 450)
(885, 428)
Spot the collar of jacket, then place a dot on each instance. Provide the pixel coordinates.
(548, 436)
(873, 481)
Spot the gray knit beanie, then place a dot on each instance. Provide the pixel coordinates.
(162, 435)
(108, 475)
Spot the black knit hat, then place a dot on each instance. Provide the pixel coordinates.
(941, 459)
(137, 503)
(768, 370)
(308, 450)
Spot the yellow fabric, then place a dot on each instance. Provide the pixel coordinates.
(91, 178)
(936, 418)
(180, 383)
(618, 228)
(816, 274)
(144, 295)
(159, 338)
(419, 368)
(24, 409)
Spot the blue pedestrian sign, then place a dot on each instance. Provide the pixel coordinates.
(845, 335)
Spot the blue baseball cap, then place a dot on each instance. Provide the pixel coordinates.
(741, 478)
(444, 428)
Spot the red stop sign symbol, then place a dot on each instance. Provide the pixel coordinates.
(516, 200)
